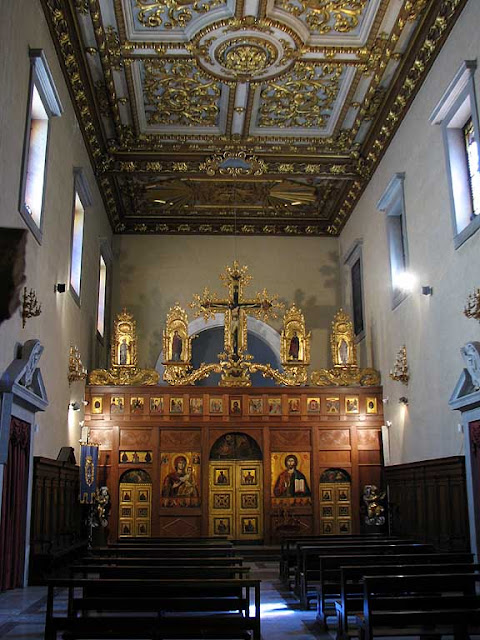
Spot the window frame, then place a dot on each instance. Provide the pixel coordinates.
(457, 105)
(82, 190)
(392, 203)
(41, 79)
(354, 255)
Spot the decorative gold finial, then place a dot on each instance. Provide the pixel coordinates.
(400, 372)
(76, 370)
(472, 308)
(31, 308)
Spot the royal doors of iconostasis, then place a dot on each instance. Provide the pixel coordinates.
(236, 488)
(335, 502)
(135, 505)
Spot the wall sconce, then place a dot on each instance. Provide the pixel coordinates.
(74, 406)
(31, 308)
(427, 290)
(403, 400)
(472, 308)
(76, 370)
(60, 287)
(400, 372)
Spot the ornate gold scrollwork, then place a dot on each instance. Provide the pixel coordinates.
(294, 340)
(233, 163)
(172, 13)
(177, 345)
(325, 16)
(123, 357)
(345, 371)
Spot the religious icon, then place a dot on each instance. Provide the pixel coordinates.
(221, 526)
(177, 345)
(222, 476)
(180, 480)
(342, 341)
(126, 529)
(124, 352)
(156, 405)
(235, 406)
(249, 500)
(97, 404)
(135, 457)
(196, 406)
(293, 480)
(327, 495)
(327, 528)
(249, 476)
(294, 341)
(255, 406)
(332, 405)
(294, 348)
(176, 405)
(143, 495)
(371, 405)
(249, 525)
(136, 404)
(351, 404)
(126, 496)
(274, 406)
(344, 526)
(142, 528)
(313, 405)
(117, 404)
(216, 405)
(294, 405)
(327, 512)
(343, 495)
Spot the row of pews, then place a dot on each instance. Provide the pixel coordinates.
(376, 586)
(165, 588)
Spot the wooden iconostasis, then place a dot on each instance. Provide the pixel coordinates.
(249, 464)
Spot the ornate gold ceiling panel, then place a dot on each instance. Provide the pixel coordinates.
(227, 116)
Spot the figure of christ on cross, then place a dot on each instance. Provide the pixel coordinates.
(235, 308)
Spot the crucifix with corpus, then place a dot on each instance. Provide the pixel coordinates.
(235, 308)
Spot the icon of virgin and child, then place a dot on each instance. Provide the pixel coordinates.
(180, 486)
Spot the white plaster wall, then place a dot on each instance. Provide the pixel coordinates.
(433, 328)
(154, 272)
(62, 323)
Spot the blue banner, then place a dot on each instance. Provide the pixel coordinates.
(88, 472)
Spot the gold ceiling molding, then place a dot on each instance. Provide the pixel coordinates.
(233, 164)
(120, 143)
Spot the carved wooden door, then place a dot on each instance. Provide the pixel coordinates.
(135, 510)
(236, 499)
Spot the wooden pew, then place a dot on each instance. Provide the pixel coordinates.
(427, 604)
(164, 551)
(152, 609)
(329, 583)
(351, 583)
(308, 571)
(156, 560)
(288, 548)
(158, 571)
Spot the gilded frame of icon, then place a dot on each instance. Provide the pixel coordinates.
(274, 406)
(294, 406)
(235, 405)
(313, 405)
(222, 477)
(248, 477)
(372, 405)
(137, 404)
(351, 405)
(222, 526)
(255, 406)
(196, 406)
(97, 404)
(332, 405)
(117, 404)
(156, 404)
(216, 405)
(176, 404)
(249, 525)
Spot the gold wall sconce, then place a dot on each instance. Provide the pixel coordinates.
(472, 308)
(31, 308)
(400, 373)
(76, 370)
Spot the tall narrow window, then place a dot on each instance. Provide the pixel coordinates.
(102, 296)
(77, 245)
(471, 148)
(43, 104)
(393, 204)
(82, 199)
(457, 113)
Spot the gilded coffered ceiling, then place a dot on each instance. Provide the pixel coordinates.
(242, 116)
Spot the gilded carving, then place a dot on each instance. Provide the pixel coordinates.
(177, 93)
(325, 16)
(171, 13)
(301, 99)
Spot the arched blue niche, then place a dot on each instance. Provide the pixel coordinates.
(263, 345)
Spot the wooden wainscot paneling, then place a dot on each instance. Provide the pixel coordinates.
(175, 440)
(135, 438)
(368, 438)
(57, 525)
(180, 527)
(103, 437)
(428, 502)
(288, 439)
(334, 438)
(334, 458)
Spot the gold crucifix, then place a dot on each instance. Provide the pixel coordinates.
(236, 308)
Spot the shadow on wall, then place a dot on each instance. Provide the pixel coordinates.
(208, 344)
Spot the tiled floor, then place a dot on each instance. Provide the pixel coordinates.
(22, 611)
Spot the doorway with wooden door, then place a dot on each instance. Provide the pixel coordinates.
(236, 488)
